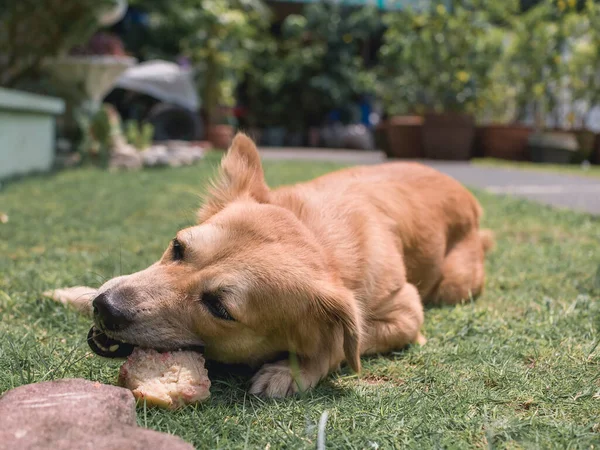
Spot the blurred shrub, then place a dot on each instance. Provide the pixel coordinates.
(33, 30)
(583, 64)
(218, 38)
(438, 59)
(266, 99)
(497, 59)
(139, 135)
(316, 66)
(99, 132)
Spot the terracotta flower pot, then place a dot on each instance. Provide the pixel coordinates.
(405, 137)
(504, 141)
(448, 136)
(220, 136)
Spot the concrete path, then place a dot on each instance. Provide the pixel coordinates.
(562, 191)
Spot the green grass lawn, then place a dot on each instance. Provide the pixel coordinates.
(519, 368)
(566, 169)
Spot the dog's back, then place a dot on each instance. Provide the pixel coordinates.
(380, 221)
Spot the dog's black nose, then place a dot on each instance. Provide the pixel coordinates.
(109, 315)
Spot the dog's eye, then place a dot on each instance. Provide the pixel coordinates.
(177, 250)
(212, 301)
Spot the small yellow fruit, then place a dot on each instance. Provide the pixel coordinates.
(463, 76)
(538, 89)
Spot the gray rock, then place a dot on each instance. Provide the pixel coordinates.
(174, 154)
(157, 155)
(196, 153)
(357, 137)
(76, 414)
(125, 156)
(181, 156)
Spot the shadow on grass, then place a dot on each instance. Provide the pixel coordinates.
(236, 378)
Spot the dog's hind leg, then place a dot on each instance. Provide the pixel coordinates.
(395, 323)
(463, 272)
(80, 297)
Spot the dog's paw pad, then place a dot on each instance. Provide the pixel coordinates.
(274, 380)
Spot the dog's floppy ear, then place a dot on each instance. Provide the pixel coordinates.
(339, 307)
(241, 175)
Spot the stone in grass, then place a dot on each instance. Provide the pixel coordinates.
(157, 155)
(76, 414)
(172, 153)
(125, 156)
(80, 297)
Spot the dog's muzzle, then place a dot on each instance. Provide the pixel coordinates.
(107, 347)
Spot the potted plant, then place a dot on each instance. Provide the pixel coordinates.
(218, 111)
(324, 70)
(222, 51)
(400, 134)
(218, 38)
(33, 31)
(584, 79)
(264, 96)
(536, 59)
(499, 133)
(445, 59)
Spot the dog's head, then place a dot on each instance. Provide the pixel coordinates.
(248, 282)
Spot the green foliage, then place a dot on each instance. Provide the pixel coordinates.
(493, 59)
(139, 135)
(436, 59)
(533, 58)
(227, 34)
(322, 58)
(584, 61)
(267, 101)
(95, 144)
(535, 66)
(313, 68)
(100, 130)
(497, 102)
(218, 36)
(33, 30)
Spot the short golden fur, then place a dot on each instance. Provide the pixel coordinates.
(327, 270)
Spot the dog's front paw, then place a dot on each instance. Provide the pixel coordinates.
(281, 379)
(275, 380)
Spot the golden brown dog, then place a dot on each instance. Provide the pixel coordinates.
(327, 270)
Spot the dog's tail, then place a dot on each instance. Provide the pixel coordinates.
(488, 241)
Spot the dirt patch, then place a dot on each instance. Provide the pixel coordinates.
(377, 380)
